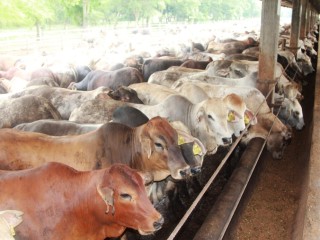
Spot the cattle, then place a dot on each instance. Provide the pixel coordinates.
(97, 110)
(111, 79)
(231, 46)
(66, 100)
(204, 119)
(169, 76)
(25, 109)
(9, 219)
(129, 116)
(70, 204)
(152, 147)
(192, 148)
(255, 101)
(125, 94)
(64, 74)
(44, 74)
(195, 64)
(152, 94)
(153, 65)
(290, 111)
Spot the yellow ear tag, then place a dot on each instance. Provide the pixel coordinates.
(196, 149)
(180, 140)
(12, 232)
(246, 119)
(231, 117)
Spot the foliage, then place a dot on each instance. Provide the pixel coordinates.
(18, 13)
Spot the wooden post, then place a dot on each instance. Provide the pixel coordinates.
(308, 18)
(295, 25)
(303, 19)
(269, 35)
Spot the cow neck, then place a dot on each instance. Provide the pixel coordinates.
(135, 146)
(188, 118)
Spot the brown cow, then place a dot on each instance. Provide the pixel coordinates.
(68, 204)
(151, 147)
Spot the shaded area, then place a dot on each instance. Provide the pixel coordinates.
(271, 202)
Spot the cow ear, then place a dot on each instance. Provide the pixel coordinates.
(114, 95)
(146, 146)
(147, 177)
(12, 217)
(249, 116)
(200, 114)
(107, 195)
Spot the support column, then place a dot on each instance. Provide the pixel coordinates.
(303, 19)
(308, 13)
(269, 35)
(295, 25)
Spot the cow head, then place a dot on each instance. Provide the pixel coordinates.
(280, 135)
(215, 112)
(291, 113)
(122, 190)
(125, 94)
(192, 150)
(160, 150)
(238, 116)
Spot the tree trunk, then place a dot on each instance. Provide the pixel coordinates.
(85, 12)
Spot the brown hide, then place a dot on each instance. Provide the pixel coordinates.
(152, 147)
(67, 204)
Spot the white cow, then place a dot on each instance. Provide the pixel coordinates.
(280, 134)
(152, 94)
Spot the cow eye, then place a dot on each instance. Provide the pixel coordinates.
(158, 145)
(126, 196)
(210, 117)
(296, 113)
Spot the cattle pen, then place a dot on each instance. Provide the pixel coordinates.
(243, 192)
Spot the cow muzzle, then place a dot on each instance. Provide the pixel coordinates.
(227, 141)
(185, 172)
(158, 224)
(195, 170)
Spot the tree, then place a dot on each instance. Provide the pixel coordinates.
(182, 9)
(25, 13)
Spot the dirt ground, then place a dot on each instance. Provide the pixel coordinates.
(270, 209)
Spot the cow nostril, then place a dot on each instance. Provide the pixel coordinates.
(195, 170)
(227, 140)
(158, 224)
(184, 172)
